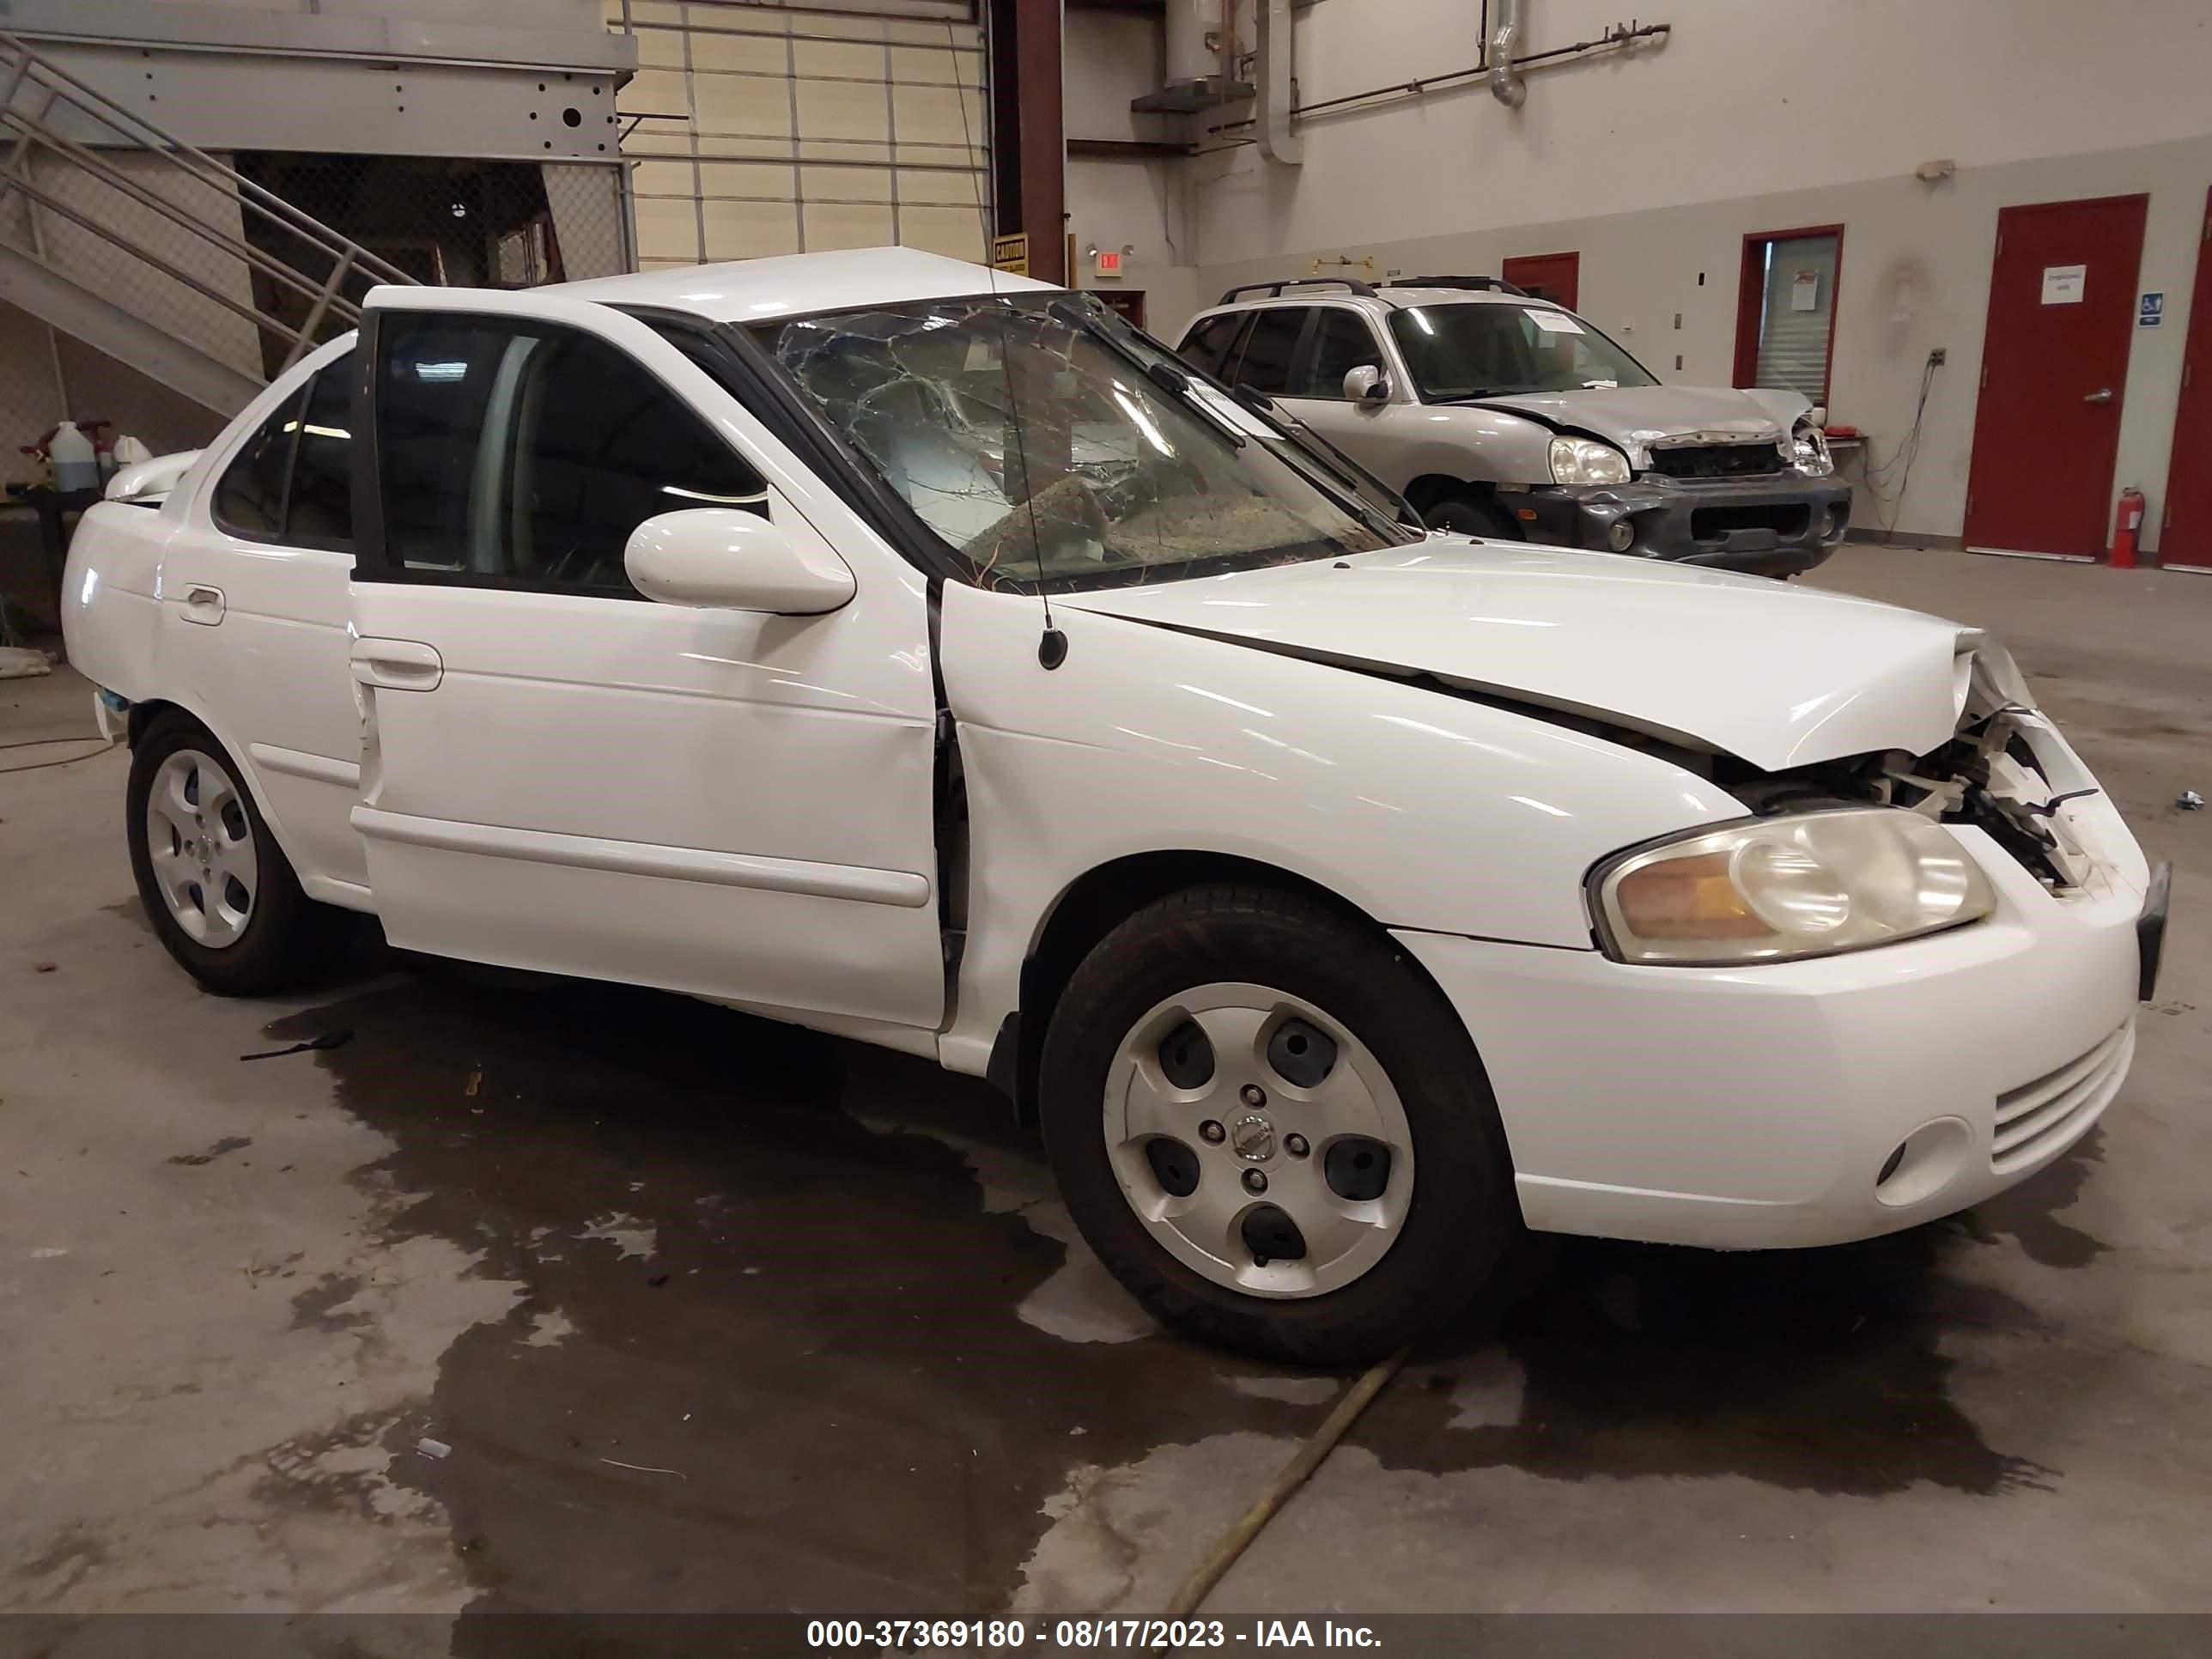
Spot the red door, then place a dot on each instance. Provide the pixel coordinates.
(2187, 537)
(2054, 365)
(1554, 277)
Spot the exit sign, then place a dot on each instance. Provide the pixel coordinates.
(1107, 261)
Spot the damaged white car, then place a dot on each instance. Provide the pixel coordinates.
(928, 658)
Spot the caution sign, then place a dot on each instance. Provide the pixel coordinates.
(1011, 253)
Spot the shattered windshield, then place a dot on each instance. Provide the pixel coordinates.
(1040, 438)
(1480, 350)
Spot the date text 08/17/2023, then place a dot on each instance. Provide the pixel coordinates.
(1011, 1635)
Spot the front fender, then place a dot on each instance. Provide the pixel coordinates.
(1424, 810)
(1478, 446)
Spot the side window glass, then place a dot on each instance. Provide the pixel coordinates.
(1265, 365)
(1210, 341)
(1341, 343)
(530, 455)
(249, 497)
(322, 472)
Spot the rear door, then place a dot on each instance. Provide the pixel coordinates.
(2054, 368)
(562, 775)
(255, 586)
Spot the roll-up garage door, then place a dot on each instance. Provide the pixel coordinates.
(758, 129)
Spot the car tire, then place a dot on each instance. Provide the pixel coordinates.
(1455, 1221)
(267, 935)
(1468, 515)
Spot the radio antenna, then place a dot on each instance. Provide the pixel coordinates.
(1052, 647)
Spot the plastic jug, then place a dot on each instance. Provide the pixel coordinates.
(75, 466)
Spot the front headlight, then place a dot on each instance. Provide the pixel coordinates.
(1586, 461)
(1809, 449)
(1775, 888)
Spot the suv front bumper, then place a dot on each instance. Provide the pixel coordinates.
(1776, 525)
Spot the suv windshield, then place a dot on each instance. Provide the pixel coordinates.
(1478, 350)
(1038, 435)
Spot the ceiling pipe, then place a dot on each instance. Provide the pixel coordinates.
(1278, 140)
(1506, 85)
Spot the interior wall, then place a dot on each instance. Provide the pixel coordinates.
(1655, 166)
(1744, 98)
(1110, 59)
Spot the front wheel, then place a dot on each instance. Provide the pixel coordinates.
(1467, 515)
(1272, 1130)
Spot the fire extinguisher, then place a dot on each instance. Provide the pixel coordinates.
(2127, 520)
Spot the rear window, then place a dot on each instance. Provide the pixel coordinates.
(1207, 344)
(1265, 364)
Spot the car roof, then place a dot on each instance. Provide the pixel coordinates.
(1381, 302)
(791, 284)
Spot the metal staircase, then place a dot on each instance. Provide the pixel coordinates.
(156, 253)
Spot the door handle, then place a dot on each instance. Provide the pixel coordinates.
(398, 665)
(203, 604)
(2103, 394)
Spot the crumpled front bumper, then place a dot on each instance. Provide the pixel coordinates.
(1774, 525)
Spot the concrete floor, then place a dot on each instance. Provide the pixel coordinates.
(709, 1315)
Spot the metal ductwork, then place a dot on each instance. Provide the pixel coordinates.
(1506, 85)
(1273, 128)
(1198, 46)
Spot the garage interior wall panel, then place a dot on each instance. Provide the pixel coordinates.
(759, 130)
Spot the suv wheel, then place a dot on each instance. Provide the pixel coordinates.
(1468, 515)
(220, 892)
(1273, 1131)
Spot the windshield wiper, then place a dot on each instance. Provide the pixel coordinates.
(1176, 385)
(1325, 455)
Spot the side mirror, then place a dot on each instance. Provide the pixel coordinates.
(1365, 384)
(722, 558)
(1817, 415)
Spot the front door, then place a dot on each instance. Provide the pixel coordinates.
(2054, 366)
(560, 774)
(1554, 277)
(2186, 538)
(1340, 340)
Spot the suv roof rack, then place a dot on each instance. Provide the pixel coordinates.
(1492, 284)
(1273, 289)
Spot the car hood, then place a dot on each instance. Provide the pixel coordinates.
(1777, 675)
(1638, 417)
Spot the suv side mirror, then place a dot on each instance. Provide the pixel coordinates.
(1366, 385)
(723, 558)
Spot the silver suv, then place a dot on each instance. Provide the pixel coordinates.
(1499, 414)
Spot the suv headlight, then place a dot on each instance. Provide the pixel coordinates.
(1774, 889)
(1586, 461)
(1809, 448)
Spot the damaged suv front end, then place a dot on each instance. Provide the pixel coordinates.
(1761, 500)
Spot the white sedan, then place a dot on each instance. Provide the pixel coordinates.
(924, 656)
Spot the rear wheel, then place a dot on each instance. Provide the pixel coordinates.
(219, 890)
(1272, 1130)
(1468, 515)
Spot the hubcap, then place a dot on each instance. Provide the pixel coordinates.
(1259, 1142)
(200, 844)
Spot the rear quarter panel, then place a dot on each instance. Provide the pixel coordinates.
(111, 601)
